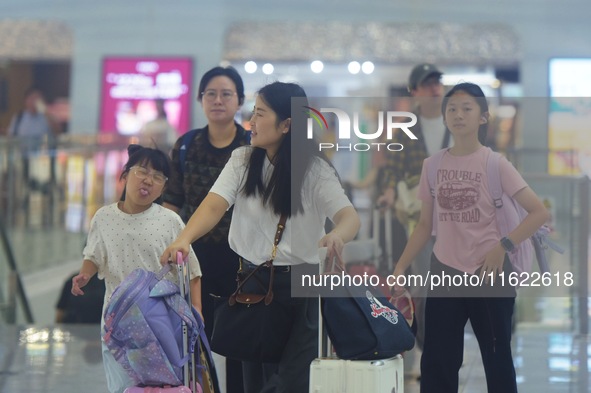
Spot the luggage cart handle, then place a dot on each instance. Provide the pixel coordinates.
(189, 368)
(179, 258)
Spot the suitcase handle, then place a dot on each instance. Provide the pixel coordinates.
(179, 258)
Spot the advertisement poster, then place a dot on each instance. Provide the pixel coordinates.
(569, 139)
(132, 88)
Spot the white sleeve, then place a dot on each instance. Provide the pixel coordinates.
(330, 195)
(231, 178)
(95, 248)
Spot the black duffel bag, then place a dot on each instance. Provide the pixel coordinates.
(364, 325)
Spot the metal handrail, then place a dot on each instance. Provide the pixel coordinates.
(20, 290)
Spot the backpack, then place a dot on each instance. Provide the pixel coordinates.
(509, 215)
(144, 329)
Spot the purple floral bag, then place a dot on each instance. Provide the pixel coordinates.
(143, 328)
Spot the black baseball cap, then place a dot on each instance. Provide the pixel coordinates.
(421, 72)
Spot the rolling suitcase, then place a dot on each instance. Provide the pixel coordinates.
(328, 374)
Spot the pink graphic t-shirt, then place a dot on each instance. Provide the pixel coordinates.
(466, 227)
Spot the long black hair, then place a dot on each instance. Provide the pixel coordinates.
(278, 192)
(139, 155)
(475, 91)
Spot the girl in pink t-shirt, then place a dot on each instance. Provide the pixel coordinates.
(468, 243)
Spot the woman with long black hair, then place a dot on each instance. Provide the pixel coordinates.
(263, 182)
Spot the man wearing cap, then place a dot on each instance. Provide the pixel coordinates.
(424, 85)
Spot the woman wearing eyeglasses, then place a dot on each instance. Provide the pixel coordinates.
(198, 158)
(131, 234)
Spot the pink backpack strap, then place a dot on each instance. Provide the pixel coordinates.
(495, 187)
(493, 173)
(432, 168)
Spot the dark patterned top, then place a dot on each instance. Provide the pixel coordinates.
(204, 163)
(406, 163)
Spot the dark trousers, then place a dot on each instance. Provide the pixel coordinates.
(219, 265)
(445, 319)
(292, 373)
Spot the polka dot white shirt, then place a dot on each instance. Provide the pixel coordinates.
(119, 243)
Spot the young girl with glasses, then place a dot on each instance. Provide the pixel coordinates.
(131, 234)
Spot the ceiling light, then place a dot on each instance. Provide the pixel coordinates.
(317, 66)
(354, 67)
(367, 67)
(250, 67)
(268, 68)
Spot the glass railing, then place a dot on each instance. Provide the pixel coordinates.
(46, 210)
(564, 299)
(49, 191)
(568, 199)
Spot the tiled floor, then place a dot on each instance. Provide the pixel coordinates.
(67, 359)
(53, 359)
(545, 361)
(45, 358)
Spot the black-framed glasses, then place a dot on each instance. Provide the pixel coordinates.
(211, 95)
(142, 173)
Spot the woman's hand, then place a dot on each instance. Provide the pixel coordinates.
(334, 245)
(493, 262)
(170, 254)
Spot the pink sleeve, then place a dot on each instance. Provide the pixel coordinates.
(511, 179)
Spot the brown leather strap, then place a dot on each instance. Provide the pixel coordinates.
(278, 235)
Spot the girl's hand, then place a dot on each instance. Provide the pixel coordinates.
(79, 282)
(395, 289)
(493, 262)
(169, 255)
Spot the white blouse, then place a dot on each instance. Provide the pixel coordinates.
(253, 225)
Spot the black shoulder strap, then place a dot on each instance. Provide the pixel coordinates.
(186, 140)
